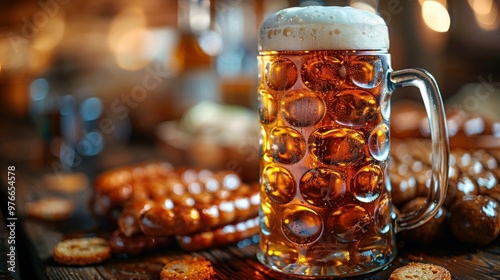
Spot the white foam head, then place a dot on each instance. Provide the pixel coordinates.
(323, 28)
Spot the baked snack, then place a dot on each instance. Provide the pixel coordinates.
(476, 219)
(82, 251)
(159, 201)
(472, 173)
(125, 245)
(192, 213)
(68, 182)
(192, 268)
(201, 208)
(116, 187)
(219, 237)
(420, 271)
(50, 209)
(432, 230)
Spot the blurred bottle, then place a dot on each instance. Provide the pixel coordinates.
(67, 114)
(44, 112)
(195, 54)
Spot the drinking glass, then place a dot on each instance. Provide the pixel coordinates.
(324, 108)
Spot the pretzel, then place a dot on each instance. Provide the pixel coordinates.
(225, 235)
(164, 202)
(170, 217)
(200, 207)
(115, 187)
(128, 221)
(122, 244)
(222, 236)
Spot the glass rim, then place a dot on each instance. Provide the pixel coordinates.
(350, 52)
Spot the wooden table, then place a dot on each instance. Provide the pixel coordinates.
(232, 262)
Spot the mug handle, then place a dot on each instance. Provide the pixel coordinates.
(433, 103)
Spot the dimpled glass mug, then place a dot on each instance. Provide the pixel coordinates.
(324, 108)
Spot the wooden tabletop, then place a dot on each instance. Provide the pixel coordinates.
(237, 261)
(232, 262)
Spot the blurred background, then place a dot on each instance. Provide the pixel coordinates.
(80, 78)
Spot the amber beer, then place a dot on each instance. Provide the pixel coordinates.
(324, 114)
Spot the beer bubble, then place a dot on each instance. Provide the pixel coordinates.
(366, 71)
(270, 34)
(378, 142)
(367, 183)
(323, 73)
(301, 225)
(322, 187)
(349, 222)
(302, 108)
(286, 145)
(338, 146)
(280, 74)
(353, 107)
(268, 106)
(280, 16)
(383, 218)
(288, 31)
(268, 217)
(278, 184)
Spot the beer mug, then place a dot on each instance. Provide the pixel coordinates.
(324, 108)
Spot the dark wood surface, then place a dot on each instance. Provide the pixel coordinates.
(231, 262)
(37, 238)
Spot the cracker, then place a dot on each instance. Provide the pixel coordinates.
(193, 268)
(50, 209)
(82, 251)
(420, 271)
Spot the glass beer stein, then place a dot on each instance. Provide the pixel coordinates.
(324, 107)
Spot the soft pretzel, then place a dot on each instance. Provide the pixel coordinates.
(189, 215)
(222, 236)
(122, 244)
(116, 187)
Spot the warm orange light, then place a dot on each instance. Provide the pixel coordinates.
(436, 16)
(128, 19)
(481, 7)
(443, 2)
(486, 13)
(49, 36)
(370, 6)
(135, 49)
